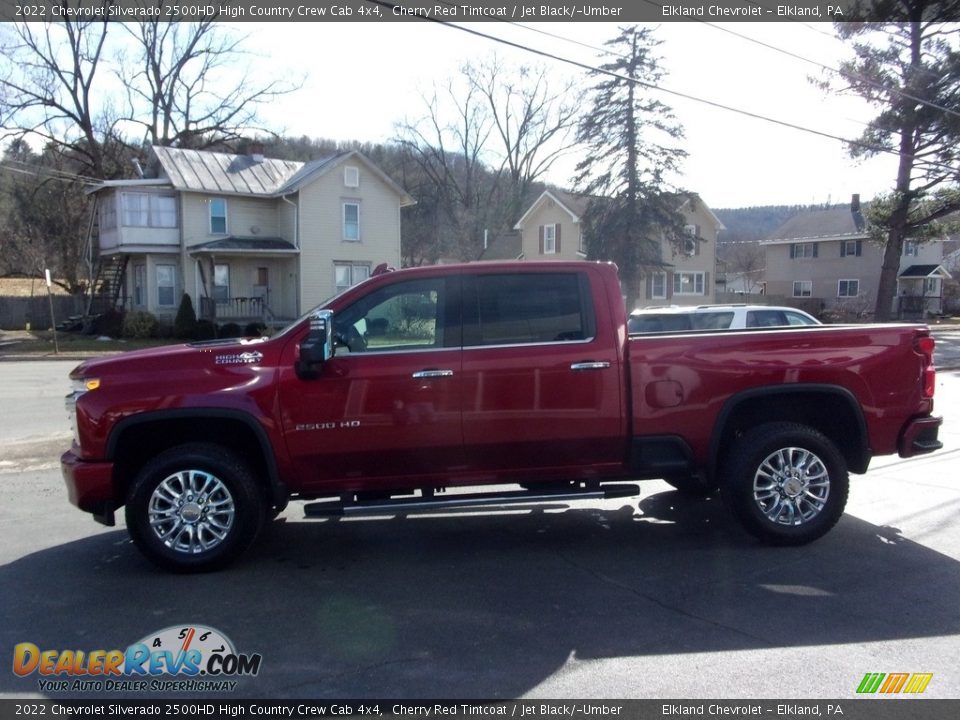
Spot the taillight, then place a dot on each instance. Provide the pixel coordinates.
(924, 345)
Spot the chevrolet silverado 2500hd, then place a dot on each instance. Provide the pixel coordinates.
(417, 387)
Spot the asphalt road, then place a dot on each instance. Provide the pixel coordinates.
(665, 598)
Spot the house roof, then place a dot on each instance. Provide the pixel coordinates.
(142, 182)
(503, 247)
(202, 171)
(835, 223)
(576, 205)
(924, 271)
(226, 174)
(234, 243)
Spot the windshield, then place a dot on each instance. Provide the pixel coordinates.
(289, 328)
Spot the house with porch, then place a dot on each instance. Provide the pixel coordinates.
(826, 256)
(249, 238)
(552, 228)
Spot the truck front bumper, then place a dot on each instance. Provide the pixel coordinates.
(89, 486)
(919, 436)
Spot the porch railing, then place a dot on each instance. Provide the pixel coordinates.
(237, 308)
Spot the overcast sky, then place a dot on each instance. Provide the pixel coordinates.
(360, 79)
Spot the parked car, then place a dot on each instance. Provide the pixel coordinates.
(410, 390)
(716, 317)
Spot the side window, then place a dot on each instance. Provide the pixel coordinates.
(712, 320)
(404, 316)
(520, 309)
(765, 318)
(218, 216)
(798, 319)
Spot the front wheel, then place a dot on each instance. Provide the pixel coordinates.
(786, 483)
(194, 508)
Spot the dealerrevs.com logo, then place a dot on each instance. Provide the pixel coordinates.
(894, 683)
(186, 658)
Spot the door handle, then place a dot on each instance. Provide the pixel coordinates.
(423, 374)
(590, 365)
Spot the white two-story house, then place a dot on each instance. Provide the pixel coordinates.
(827, 256)
(552, 229)
(247, 237)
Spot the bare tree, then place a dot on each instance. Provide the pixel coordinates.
(531, 118)
(45, 215)
(174, 91)
(747, 261)
(451, 155)
(47, 90)
(485, 138)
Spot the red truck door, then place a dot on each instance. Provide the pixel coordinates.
(541, 376)
(387, 406)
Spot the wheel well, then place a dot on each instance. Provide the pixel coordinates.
(832, 412)
(141, 441)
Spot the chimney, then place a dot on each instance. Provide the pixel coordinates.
(857, 213)
(256, 151)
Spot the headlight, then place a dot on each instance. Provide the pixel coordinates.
(78, 387)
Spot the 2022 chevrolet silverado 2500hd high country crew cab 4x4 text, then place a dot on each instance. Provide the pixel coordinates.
(419, 381)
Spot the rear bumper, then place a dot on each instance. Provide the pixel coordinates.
(919, 436)
(89, 485)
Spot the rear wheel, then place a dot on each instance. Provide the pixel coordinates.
(786, 483)
(194, 508)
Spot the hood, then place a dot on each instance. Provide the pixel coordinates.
(233, 351)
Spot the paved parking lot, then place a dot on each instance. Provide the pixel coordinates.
(663, 597)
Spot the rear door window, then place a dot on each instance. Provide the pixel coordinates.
(527, 308)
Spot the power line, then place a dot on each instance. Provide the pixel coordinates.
(47, 173)
(676, 93)
(841, 73)
(788, 53)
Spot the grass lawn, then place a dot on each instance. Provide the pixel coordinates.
(41, 343)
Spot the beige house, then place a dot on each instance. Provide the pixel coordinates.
(827, 256)
(247, 237)
(551, 229)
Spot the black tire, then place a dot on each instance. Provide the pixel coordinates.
(692, 485)
(205, 505)
(786, 483)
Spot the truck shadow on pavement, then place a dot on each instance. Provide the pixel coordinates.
(486, 605)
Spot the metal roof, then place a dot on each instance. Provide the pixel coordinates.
(202, 171)
(235, 243)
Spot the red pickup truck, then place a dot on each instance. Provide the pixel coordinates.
(416, 387)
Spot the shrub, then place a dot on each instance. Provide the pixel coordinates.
(229, 330)
(206, 330)
(185, 324)
(108, 323)
(140, 325)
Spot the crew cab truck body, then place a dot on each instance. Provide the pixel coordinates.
(416, 384)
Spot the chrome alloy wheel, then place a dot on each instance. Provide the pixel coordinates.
(191, 511)
(791, 486)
